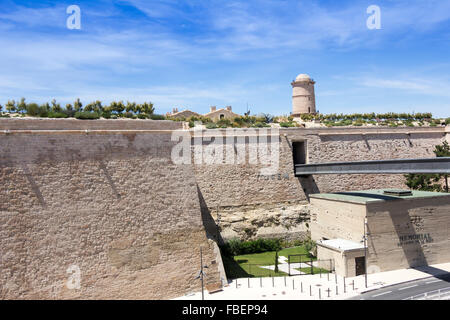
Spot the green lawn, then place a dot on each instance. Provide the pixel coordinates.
(268, 258)
(315, 270)
(245, 266)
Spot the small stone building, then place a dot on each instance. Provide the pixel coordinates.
(219, 114)
(175, 114)
(404, 229)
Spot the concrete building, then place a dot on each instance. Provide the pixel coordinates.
(404, 229)
(303, 97)
(219, 114)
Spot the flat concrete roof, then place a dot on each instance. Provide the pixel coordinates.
(341, 244)
(375, 195)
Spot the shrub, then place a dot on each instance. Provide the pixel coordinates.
(142, 116)
(223, 123)
(128, 114)
(52, 114)
(211, 125)
(32, 109)
(236, 247)
(84, 115)
(43, 110)
(260, 125)
(287, 124)
(106, 115)
(157, 117)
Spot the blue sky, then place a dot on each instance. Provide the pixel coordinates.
(198, 53)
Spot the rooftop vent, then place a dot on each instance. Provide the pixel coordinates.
(398, 192)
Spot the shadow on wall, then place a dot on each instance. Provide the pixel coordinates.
(308, 185)
(211, 228)
(413, 250)
(34, 185)
(102, 166)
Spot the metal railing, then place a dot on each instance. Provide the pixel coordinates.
(439, 294)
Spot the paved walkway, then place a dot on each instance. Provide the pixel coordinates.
(313, 287)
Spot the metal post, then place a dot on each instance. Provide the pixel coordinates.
(310, 290)
(345, 288)
(293, 284)
(337, 290)
(236, 283)
(301, 287)
(248, 280)
(353, 285)
(285, 282)
(260, 282)
(328, 290)
(273, 283)
(312, 270)
(335, 277)
(289, 264)
(365, 251)
(328, 276)
(201, 272)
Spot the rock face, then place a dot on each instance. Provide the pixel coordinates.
(288, 221)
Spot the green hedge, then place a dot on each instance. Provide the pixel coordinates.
(235, 247)
(84, 115)
(157, 117)
(287, 124)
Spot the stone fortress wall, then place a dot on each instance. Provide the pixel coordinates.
(108, 200)
(109, 203)
(246, 204)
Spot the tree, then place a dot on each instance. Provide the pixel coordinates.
(10, 106)
(77, 105)
(22, 106)
(147, 108)
(430, 182)
(116, 107)
(1, 108)
(443, 151)
(131, 107)
(56, 107)
(95, 106)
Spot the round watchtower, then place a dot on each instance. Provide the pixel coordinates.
(303, 97)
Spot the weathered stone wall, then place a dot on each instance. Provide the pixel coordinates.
(406, 234)
(111, 204)
(235, 194)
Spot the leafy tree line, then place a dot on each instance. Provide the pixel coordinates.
(431, 182)
(93, 110)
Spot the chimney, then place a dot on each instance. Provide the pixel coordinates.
(212, 108)
(229, 108)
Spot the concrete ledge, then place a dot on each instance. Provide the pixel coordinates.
(75, 124)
